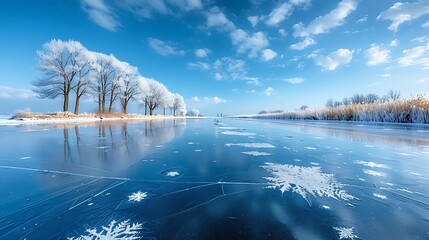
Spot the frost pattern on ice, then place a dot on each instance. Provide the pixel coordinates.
(115, 230)
(371, 164)
(232, 128)
(379, 196)
(345, 233)
(236, 133)
(304, 181)
(256, 153)
(250, 145)
(172, 174)
(137, 196)
(310, 148)
(374, 173)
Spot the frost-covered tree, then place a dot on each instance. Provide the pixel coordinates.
(104, 73)
(303, 107)
(157, 95)
(178, 104)
(194, 113)
(60, 61)
(81, 87)
(128, 84)
(168, 101)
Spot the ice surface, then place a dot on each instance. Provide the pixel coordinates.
(371, 164)
(374, 173)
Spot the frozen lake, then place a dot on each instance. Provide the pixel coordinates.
(214, 179)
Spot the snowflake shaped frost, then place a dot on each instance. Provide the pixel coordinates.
(137, 196)
(115, 230)
(172, 174)
(346, 233)
(304, 181)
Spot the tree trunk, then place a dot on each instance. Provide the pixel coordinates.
(174, 112)
(150, 111)
(145, 107)
(164, 111)
(66, 103)
(76, 105)
(124, 106)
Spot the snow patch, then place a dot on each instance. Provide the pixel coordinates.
(235, 133)
(250, 145)
(374, 173)
(257, 154)
(379, 196)
(25, 158)
(371, 164)
(232, 128)
(172, 174)
(345, 233)
(310, 148)
(304, 181)
(115, 230)
(137, 196)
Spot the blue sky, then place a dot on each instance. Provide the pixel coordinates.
(227, 56)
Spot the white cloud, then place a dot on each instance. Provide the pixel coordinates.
(253, 20)
(218, 76)
(251, 44)
(145, 8)
(385, 75)
(195, 99)
(101, 14)
(420, 39)
(198, 65)
(394, 43)
(376, 55)
(426, 24)
(202, 52)
(268, 54)
(216, 19)
(269, 91)
(364, 19)
(185, 5)
(253, 91)
(295, 80)
(283, 11)
(333, 59)
(164, 48)
(303, 44)
(323, 24)
(400, 13)
(15, 93)
(252, 80)
(416, 56)
(423, 80)
(282, 32)
(215, 100)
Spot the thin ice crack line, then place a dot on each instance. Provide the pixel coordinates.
(127, 179)
(201, 204)
(90, 198)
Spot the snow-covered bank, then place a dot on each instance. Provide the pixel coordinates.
(79, 120)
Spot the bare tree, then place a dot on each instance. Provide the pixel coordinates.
(357, 99)
(392, 95)
(59, 62)
(329, 103)
(371, 98)
(303, 107)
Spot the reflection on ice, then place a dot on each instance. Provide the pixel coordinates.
(115, 230)
(304, 181)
